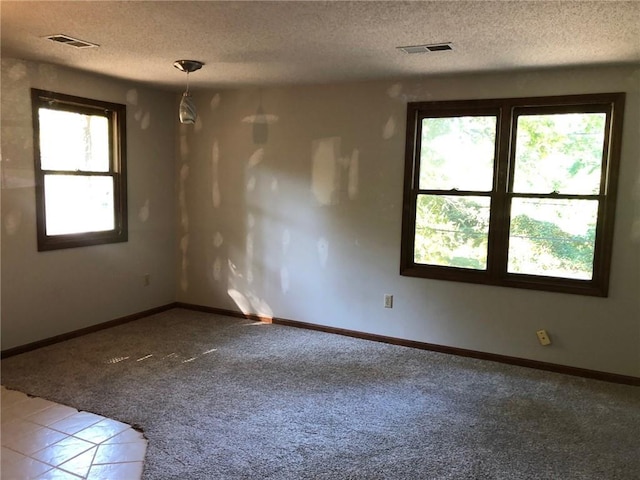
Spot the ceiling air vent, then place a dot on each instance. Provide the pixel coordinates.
(434, 47)
(73, 42)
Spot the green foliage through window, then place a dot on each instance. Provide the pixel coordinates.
(525, 212)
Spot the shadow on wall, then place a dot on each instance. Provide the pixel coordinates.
(282, 199)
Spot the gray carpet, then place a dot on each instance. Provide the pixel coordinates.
(223, 398)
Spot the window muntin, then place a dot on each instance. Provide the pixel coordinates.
(549, 213)
(80, 165)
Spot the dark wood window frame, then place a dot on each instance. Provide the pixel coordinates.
(116, 117)
(506, 111)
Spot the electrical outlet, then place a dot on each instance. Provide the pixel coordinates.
(146, 280)
(388, 301)
(543, 337)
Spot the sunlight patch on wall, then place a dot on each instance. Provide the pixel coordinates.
(249, 257)
(218, 239)
(251, 221)
(182, 197)
(243, 296)
(217, 269)
(145, 123)
(261, 307)
(184, 146)
(144, 118)
(333, 177)
(240, 300)
(250, 304)
(284, 280)
(389, 129)
(143, 213)
(324, 172)
(215, 185)
(286, 241)
(215, 102)
(353, 175)
(323, 251)
(394, 90)
(184, 265)
(132, 96)
(17, 72)
(12, 222)
(256, 157)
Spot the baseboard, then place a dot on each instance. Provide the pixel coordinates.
(83, 331)
(225, 312)
(493, 357)
(463, 352)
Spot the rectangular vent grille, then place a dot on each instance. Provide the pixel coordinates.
(434, 47)
(73, 42)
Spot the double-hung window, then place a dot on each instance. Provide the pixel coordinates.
(516, 192)
(80, 171)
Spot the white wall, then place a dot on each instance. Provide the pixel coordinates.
(300, 218)
(49, 293)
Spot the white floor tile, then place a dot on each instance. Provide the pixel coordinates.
(10, 397)
(16, 466)
(116, 470)
(81, 464)
(57, 474)
(76, 422)
(124, 452)
(17, 428)
(128, 436)
(33, 441)
(101, 431)
(62, 451)
(44, 440)
(51, 415)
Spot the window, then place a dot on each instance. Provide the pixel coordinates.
(513, 192)
(80, 171)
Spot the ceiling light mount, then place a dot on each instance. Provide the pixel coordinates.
(188, 66)
(188, 112)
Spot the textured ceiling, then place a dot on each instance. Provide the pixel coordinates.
(271, 43)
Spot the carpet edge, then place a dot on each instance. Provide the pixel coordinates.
(10, 352)
(462, 352)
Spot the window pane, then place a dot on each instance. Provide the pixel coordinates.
(552, 237)
(452, 231)
(457, 152)
(559, 152)
(73, 141)
(77, 204)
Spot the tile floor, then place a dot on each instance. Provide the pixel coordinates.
(46, 440)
